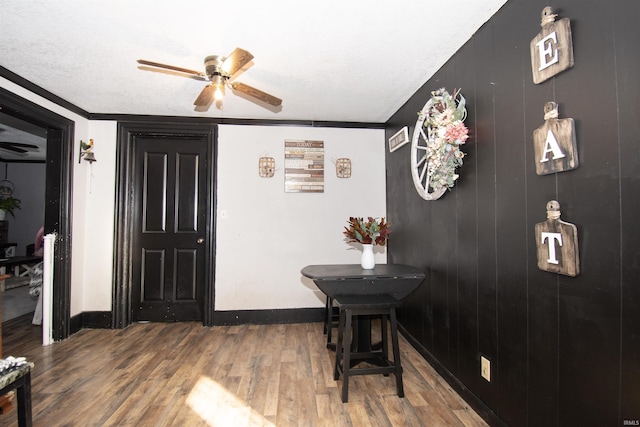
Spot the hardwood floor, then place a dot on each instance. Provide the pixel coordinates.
(184, 374)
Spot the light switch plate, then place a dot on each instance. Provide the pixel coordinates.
(485, 368)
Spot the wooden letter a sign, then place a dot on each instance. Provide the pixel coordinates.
(557, 243)
(554, 143)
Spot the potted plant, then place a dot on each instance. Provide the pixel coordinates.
(370, 232)
(8, 205)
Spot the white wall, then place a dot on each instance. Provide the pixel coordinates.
(265, 236)
(97, 236)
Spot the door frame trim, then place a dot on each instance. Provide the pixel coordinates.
(58, 198)
(125, 172)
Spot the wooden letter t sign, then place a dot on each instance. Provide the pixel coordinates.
(557, 243)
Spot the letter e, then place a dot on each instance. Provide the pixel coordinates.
(548, 51)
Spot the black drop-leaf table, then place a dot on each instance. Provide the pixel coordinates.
(335, 280)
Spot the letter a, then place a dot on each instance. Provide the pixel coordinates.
(551, 146)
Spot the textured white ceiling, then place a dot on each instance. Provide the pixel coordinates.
(335, 60)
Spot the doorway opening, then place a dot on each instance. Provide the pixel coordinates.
(58, 193)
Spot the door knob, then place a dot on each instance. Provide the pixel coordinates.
(200, 241)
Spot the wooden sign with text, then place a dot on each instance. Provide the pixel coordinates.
(557, 243)
(303, 166)
(554, 143)
(552, 49)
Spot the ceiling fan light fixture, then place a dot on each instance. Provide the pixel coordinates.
(218, 87)
(218, 94)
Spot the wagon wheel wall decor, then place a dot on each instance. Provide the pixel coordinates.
(420, 171)
(435, 146)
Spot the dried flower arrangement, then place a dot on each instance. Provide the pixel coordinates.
(446, 133)
(369, 232)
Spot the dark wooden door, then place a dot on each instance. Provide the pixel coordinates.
(169, 230)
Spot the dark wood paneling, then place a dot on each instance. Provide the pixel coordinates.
(555, 342)
(486, 209)
(467, 232)
(410, 232)
(542, 293)
(442, 240)
(589, 197)
(510, 67)
(627, 42)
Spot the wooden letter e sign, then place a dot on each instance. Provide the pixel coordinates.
(552, 49)
(554, 143)
(557, 243)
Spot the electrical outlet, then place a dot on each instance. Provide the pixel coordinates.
(485, 368)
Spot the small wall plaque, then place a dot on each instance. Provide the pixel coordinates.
(552, 49)
(399, 139)
(343, 168)
(557, 243)
(554, 143)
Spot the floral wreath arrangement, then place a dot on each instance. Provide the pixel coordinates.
(369, 232)
(443, 118)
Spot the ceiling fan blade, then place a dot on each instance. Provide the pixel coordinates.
(12, 148)
(236, 60)
(18, 144)
(170, 67)
(205, 97)
(251, 91)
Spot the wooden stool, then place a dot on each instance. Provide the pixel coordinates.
(19, 379)
(350, 352)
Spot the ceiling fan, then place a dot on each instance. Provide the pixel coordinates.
(219, 70)
(18, 147)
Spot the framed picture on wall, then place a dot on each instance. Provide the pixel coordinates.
(399, 139)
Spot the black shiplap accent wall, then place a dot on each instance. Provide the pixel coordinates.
(564, 351)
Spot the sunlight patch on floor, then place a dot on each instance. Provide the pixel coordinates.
(217, 406)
